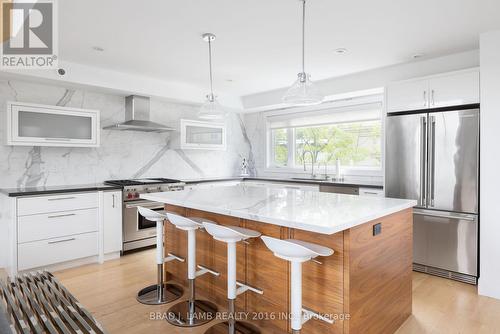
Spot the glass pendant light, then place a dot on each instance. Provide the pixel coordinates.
(303, 92)
(211, 109)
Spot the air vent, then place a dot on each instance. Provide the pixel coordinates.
(445, 274)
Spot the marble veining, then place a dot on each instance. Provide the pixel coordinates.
(122, 154)
(314, 211)
(251, 159)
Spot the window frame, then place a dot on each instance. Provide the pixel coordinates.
(347, 170)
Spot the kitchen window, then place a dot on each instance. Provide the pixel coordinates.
(351, 132)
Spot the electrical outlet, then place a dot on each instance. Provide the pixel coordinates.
(377, 229)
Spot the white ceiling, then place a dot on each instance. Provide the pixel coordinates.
(258, 41)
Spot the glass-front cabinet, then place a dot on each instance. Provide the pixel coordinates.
(202, 135)
(42, 125)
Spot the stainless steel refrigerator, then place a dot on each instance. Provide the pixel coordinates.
(433, 157)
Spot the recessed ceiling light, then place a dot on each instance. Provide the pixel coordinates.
(418, 55)
(97, 48)
(341, 51)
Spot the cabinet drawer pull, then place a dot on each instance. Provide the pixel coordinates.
(58, 139)
(370, 193)
(65, 215)
(59, 241)
(61, 198)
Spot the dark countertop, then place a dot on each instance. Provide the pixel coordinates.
(348, 183)
(17, 192)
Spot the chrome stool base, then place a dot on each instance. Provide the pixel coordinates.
(192, 314)
(151, 295)
(240, 327)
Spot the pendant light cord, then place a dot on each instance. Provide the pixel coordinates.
(303, 34)
(210, 66)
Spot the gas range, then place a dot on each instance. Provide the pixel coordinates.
(133, 188)
(138, 232)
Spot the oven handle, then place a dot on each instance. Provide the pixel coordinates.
(145, 204)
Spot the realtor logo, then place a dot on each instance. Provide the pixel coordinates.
(29, 35)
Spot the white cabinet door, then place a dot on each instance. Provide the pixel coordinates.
(203, 135)
(408, 95)
(43, 125)
(112, 221)
(46, 252)
(371, 192)
(454, 89)
(56, 203)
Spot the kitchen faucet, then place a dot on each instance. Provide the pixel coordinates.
(312, 162)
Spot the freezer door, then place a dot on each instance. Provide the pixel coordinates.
(445, 240)
(453, 161)
(405, 157)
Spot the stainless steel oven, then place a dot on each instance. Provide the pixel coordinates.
(139, 232)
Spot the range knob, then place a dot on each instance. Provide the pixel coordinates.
(129, 195)
(136, 195)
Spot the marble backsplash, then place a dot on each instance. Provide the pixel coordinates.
(122, 154)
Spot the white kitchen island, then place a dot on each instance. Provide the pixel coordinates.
(365, 286)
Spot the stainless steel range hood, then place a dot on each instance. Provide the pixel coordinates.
(137, 117)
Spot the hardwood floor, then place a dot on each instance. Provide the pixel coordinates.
(108, 291)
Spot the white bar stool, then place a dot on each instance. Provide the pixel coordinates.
(192, 312)
(159, 293)
(231, 235)
(297, 252)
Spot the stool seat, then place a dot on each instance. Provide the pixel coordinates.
(155, 216)
(295, 250)
(229, 233)
(187, 223)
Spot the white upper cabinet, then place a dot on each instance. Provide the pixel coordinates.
(408, 95)
(203, 135)
(449, 89)
(41, 125)
(455, 89)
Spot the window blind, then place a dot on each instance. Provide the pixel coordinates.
(344, 114)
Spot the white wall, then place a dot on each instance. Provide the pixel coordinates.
(372, 79)
(489, 281)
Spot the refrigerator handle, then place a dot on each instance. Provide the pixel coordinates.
(423, 162)
(432, 160)
(449, 215)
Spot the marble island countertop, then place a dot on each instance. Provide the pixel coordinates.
(325, 213)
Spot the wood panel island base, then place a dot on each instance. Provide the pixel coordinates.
(365, 286)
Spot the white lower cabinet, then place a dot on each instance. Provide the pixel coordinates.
(52, 229)
(59, 224)
(50, 251)
(56, 203)
(371, 192)
(112, 221)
